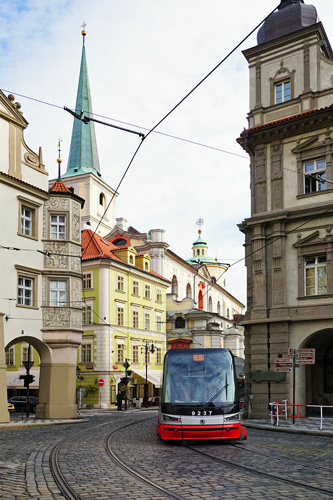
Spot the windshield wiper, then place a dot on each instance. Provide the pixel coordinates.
(218, 393)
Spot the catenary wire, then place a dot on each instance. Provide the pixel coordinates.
(171, 136)
(169, 113)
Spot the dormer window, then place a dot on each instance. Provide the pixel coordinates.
(282, 92)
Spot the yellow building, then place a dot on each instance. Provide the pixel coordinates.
(124, 307)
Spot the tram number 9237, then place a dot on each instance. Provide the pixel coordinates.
(203, 413)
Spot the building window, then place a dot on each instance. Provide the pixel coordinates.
(188, 291)
(316, 275)
(135, 319)
(282, 92)
(58, 293)
(147, 291)
(131, 259)
(10, 357)
(120, 283)
(135, 287)
(174, 285)
(135, 354)
(26, 293)
(158, 355)
(180, 322)
(147, 321)
(158, 323)
(87, 281)
(210, 304)
(158, 295)
(120, 353)
(26, 221)
(28, 218)
(102, 199)
(25, 354)
(315, 175)
(146, 266)
(86, 353)
(86, 315)
(218, 308)
(228, 313)
(120, 316)
(58, 227)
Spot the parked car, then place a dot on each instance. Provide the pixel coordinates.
(20, 403)
(11, 407)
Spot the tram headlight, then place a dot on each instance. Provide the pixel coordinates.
(232, 417)
(170, 418)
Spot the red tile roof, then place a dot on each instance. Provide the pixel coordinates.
(60, 187)
(94, 246)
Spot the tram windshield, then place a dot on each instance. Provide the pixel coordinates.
(204, 376)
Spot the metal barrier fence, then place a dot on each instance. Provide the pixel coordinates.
(279, 409)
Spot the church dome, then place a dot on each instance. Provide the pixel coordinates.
(291, 16)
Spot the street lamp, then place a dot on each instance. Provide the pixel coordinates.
(152, 350)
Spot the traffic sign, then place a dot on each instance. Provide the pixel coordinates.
(303, 356)
(283, 365)
(27, 364)
(101, 382)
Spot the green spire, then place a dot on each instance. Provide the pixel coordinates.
(83, 155)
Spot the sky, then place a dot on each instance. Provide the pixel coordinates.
(143, 58)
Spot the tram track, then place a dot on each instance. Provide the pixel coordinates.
(142, 473)
(269, 475)
(69, 493)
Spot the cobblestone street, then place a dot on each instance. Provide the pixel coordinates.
(268, 465)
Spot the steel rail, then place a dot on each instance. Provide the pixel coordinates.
(261, 473)
(58, 476)
(134, 472)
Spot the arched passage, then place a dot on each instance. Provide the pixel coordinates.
(318, 378)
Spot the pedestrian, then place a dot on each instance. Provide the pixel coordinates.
(119, 400)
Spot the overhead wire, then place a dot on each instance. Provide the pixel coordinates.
(169, 113)
(171, 136)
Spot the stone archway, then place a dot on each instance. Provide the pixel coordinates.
(316, 381)
(45, 361)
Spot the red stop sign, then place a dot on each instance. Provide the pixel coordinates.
(101, 382)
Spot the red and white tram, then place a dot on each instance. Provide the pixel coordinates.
(199, 396)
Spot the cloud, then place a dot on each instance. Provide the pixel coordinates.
(143, 58)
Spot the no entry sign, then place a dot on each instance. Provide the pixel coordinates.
(101, 382)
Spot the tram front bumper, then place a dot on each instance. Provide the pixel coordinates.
(193, 432)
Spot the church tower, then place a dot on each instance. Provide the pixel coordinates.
(288, 238)
(83, 173)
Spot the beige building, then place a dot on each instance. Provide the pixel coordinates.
(288, 238)
(40, 286)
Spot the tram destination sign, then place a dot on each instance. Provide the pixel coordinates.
(303, 356)
(283, 365)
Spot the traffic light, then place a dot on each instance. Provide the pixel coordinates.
(125, 380)
(28, 379)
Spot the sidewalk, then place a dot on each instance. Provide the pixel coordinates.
(309, 426)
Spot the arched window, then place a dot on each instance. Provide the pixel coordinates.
(188, 291)
(219, 308)
(102, 199)
(200, 300)
(198, 252)
(146, 266)
(210, 304)
(180, 322)
(131, 259)
(174, 285)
